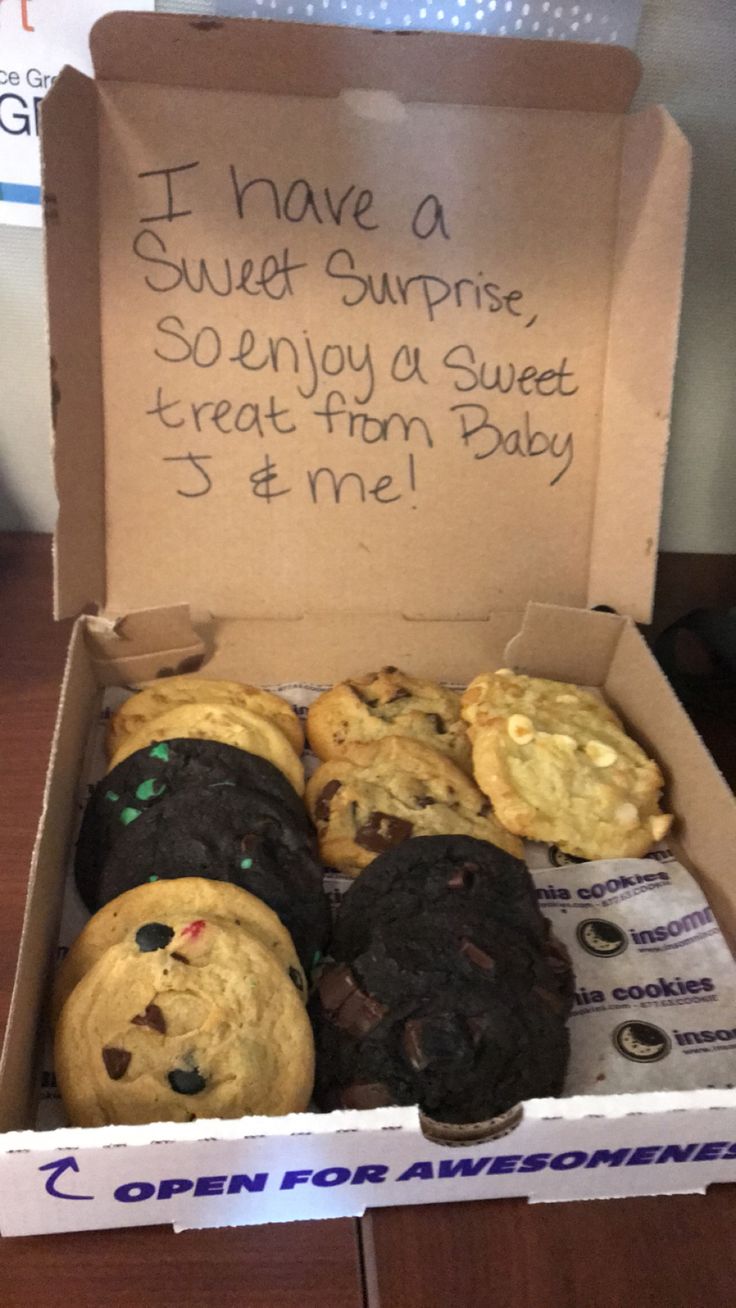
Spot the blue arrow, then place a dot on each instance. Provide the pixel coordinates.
(56, 1170)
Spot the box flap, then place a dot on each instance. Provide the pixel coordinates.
(296, 59)
(70, 193)
(642, 347)
(367, 304)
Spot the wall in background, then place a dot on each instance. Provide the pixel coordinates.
(689, 57)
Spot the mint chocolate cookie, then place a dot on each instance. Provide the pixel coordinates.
(156, 773)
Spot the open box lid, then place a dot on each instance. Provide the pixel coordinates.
(342, 320)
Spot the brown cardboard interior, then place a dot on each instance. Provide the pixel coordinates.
(525, 220)
(595, 648)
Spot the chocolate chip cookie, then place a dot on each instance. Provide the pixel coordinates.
(188, 1018)
(221, 722)
(378, 795)
(169, 692)
(157, 901)
(225, 834)
(157, 772)
(383, 704)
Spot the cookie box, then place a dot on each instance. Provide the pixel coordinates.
(362, 351)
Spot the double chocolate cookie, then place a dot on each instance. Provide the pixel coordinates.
(225, 834)
(443, 878)
(156, 773)
(449, 990)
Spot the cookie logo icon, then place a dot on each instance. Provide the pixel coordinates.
(558, 858)
(600, 938)
(641, 1042)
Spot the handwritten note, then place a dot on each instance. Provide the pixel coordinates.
(325, 321)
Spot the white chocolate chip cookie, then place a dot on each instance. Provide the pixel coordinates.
(575, 780)
(498, 694)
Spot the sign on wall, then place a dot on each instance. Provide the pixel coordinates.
(37, 37)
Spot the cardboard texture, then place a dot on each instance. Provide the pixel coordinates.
(216, 200)
(377, 313)
(314, 1165)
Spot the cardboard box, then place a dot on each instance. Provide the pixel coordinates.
(278, 258)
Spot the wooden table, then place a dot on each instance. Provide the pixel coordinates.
(650, 1253)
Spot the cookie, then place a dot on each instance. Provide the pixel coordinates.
(157, 901)
(578, 782)
(145, 778)
(387, 703)
(467, 1026)
(188, 1018)
(168, 692)
(378, 795)
(224, 723)
(224, 834)
(445, 877)
(499, 694)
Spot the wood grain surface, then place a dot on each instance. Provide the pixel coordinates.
(645, 1253)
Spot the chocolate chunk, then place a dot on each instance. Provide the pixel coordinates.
(116, 1062)
(151, 1016)
(152, 936)
(438, 723)
(296, 977)
(555, 1002)
(186, 1082)
(478, 1027)
(335, 985)
(477, 956)
(557, 955)
(390, 669)
(364, 699)
(359, 1014)
(463, 877)
(322, 807)
(179, 957)
(370, 1095)
(411, 1043)
(425, 801)
(382, 831)
(400, 693)
(485, 808)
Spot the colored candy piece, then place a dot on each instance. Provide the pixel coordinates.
(186, 1082)
(194, 929)
(153, 935)
(149, 789)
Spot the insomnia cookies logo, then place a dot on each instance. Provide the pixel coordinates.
(601, 938)
(558, 858)
(641, 1042)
